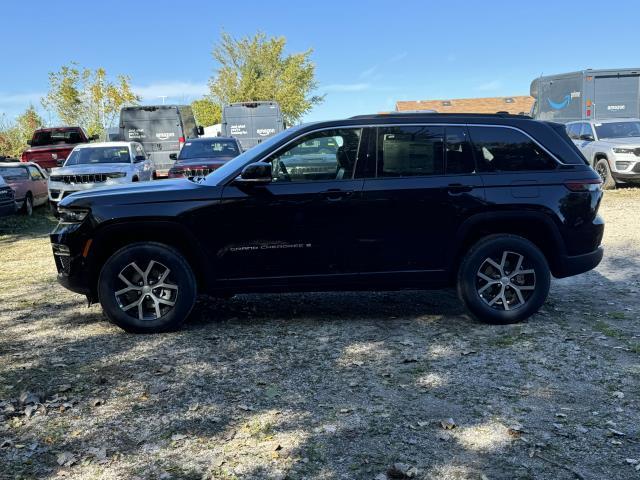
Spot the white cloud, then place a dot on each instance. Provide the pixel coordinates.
(369, 72)
(492, 85)
(171, 89)
(345, 87)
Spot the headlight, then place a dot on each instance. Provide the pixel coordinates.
(116, 175)
(624, 150)
(68, 215)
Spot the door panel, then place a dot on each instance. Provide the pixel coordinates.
(425, 188)
(288, 229)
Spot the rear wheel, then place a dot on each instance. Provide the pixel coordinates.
(147, 288)
(603, 169)
(503, 279)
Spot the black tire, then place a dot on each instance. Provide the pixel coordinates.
(478, 293)
(180, 279)
(604, 170)
(27, 205)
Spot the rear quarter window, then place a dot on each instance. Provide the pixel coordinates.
(500, 149)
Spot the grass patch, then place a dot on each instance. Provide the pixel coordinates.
(606, 329)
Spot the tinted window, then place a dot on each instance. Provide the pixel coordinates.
(573, 131)
(406, 151)
(325, 155)
(459, 156)
(83, 156)
(586, 129)
(12, 174)
(500, 149)
(209, 148)
(618, 130)
(53, 137)
(35, 173)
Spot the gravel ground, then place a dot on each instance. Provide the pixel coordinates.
(323, 386)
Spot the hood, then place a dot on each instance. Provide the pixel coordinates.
(204, 161)
(626, 141)
(139, 192)
(93, 168)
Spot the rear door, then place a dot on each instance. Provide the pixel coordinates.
(422, 187)
(617, 96)
(38, 185)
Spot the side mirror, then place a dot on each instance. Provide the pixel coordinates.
(29, 142)
(94, 137)
(140, 158)
(200, 130)
(60, 162)
(173, 156)
(255, 174)
(587, 137)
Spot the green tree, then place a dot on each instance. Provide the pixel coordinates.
(206, 111)
(88, 98)
(257, 68)
(15, 135)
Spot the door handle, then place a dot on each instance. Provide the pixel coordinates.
(335, 195)
(458, 188)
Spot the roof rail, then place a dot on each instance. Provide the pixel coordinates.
(415, 113)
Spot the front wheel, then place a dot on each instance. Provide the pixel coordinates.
(27, 206)
(503, 279)
(603, 169)
(147, 288)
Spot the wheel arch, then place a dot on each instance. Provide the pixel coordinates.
(114, 236)
(536, 227)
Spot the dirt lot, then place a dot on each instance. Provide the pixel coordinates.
(323, 386)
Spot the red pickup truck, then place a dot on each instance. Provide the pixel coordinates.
(49, 147)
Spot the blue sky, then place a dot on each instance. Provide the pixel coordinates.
(368, 54)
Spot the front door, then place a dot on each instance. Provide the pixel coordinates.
(303, 223)
(423, 186)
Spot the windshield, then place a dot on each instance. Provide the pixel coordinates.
(209, 149)
(245, 158)
(618, 130)
(59, 136)
(14, 173)
(89, 156)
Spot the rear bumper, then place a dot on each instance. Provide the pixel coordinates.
(574, 265)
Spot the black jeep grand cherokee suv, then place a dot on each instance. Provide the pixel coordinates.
(492, 203)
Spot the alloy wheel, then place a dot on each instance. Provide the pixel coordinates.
(507, 283)
(601, 170)
(147, 294)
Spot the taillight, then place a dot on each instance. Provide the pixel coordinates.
(590, 185)
(23, 157)
(181, 141)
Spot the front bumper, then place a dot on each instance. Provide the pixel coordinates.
(69, 243)
(570, 265)
(8, 208)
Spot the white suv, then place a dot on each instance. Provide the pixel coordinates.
(612, 148)
(93, 165)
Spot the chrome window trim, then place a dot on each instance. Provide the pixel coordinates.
(233, 176)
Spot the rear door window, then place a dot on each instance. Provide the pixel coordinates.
(502, 149)
(409, 151)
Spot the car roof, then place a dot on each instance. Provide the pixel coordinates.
(50, 129)
(104, 144)
(204, 139)
(613, 120)
(15, 164)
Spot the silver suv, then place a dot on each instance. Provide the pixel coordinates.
(612, 148)
(99, 164)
